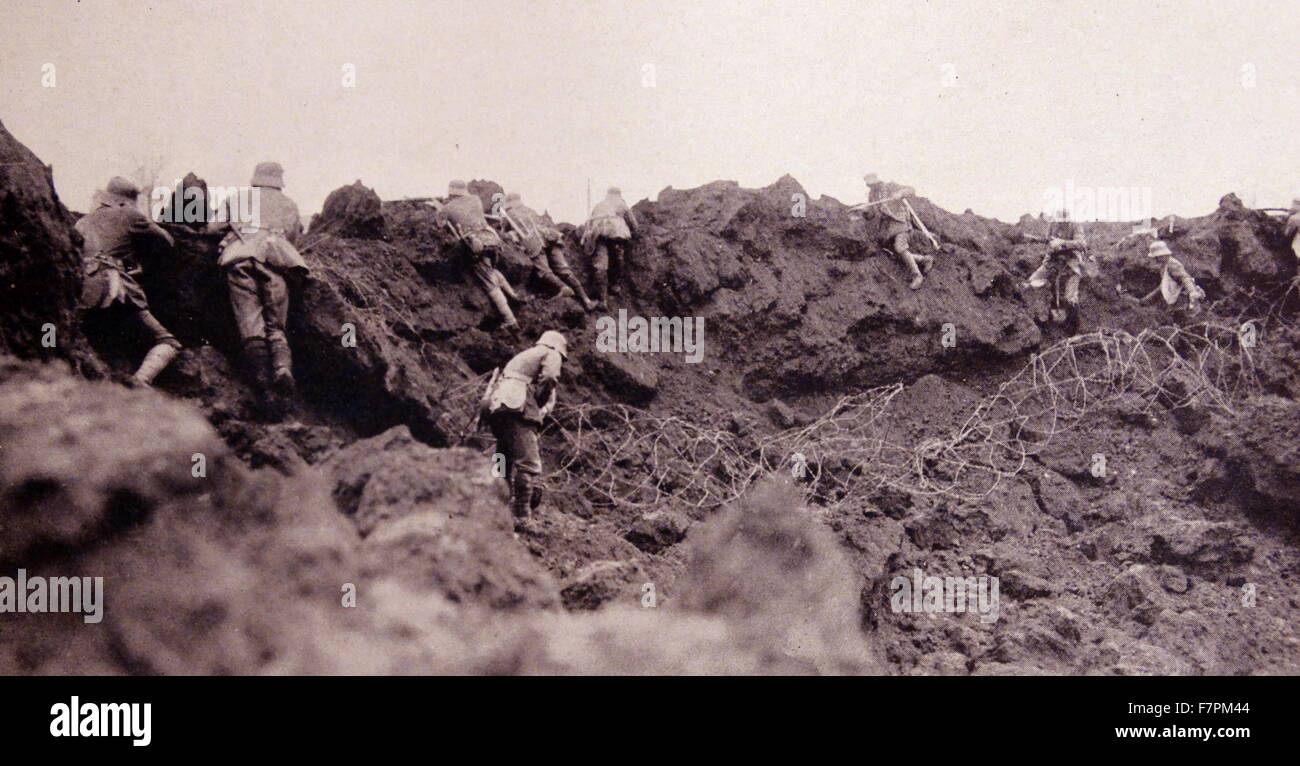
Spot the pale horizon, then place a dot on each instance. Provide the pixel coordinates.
(542, 97)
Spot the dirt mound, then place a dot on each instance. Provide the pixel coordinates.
(40, 263)
(351, 211)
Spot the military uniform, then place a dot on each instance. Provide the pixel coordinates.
(890, 224)
(515, 408)
(609, 228)
(545, 246)
(256, 256)
(111, 235)
(1174, 279)
(1065, 258)
(465, 212)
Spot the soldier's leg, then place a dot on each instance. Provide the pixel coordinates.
(489, 282)
(246, 301)
(164, 349)
(504, 446)
(904, 251)
(527, 462)
(545, 274)
(600, 267)
(617, 254)
(275, 317)
(560, 265)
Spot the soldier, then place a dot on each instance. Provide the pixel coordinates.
(113, 234)
(256, 256)
(545, 245)
(892, 224)
(606, 234)
(1064, 258)
(1174, 279)
(515, 405)
(463, 213)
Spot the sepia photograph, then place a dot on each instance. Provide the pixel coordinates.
(410, 338)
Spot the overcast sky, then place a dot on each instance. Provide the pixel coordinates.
(980, 105)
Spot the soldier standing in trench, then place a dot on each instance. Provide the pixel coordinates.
(256, 256)
(515, 405)
(112, 234)
(1174, 279)
(1063, 259)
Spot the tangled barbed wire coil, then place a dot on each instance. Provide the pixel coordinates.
(620, 455)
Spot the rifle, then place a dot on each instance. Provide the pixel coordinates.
(478, 411)
(917, 218)
(866, 205)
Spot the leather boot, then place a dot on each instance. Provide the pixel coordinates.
(521, 494)
(257, 355)
(281, 365)
(576, 287)
(154, 362)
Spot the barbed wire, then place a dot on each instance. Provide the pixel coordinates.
(617, 455)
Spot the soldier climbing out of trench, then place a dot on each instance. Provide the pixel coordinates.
(514, 405)
(256, 257)
(545, 245)
(1062, 265)
(463, 214)
(1174, 279)
(890, 218)
(609, 228)
(113, 235)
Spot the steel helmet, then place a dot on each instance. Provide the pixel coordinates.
(1158, 248)
(268, 174)
(118, 192)
(553, 339)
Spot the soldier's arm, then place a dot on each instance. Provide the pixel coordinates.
(1179, 272)
(632, 224)
(145, 229)
(547, 377)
